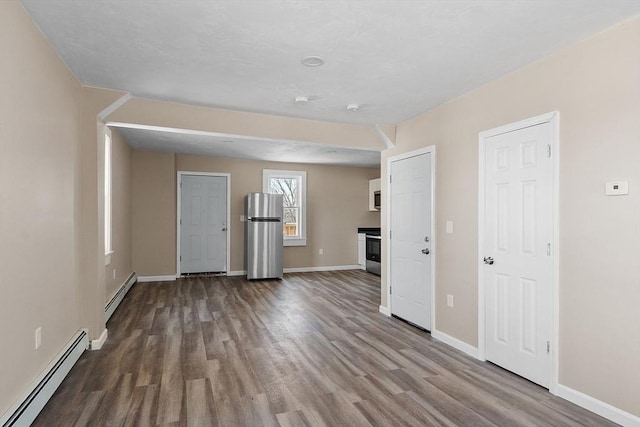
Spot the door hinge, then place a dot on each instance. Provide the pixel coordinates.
(548, 249)
(549, 150)
(390, 291)
(180, 185)
(180, 257)
(389, 179)
(548, 347)
(389, 234)
(180, 221)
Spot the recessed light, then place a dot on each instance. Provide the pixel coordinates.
(353, 107)
(312, 61)
(301, 100)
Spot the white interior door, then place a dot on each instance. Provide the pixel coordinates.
(203, 224)
(410, 242)
(517, 262)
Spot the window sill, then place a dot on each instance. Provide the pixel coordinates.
(295, 242)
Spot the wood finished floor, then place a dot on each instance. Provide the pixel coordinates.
(311, 349)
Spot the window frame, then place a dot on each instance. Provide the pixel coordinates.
(108, 195)
(301, 176)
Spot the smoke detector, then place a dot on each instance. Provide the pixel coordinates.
(312, 61)
(353, 107)
(301, 100)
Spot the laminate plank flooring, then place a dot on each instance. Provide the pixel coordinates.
(309, 350)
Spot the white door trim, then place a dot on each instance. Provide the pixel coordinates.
(179, 211)
(553, 119)
(387, 208)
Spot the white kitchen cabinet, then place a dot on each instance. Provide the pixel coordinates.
(374, 185)
(362, 250)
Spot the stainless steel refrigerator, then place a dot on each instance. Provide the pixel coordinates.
(263, 236)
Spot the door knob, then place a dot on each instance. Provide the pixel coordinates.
(488, 260)
(224, 228)
(425, 251)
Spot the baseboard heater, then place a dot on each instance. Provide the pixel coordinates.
(114, 302)
(26, 409)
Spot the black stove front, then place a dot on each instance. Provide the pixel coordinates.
(373, 251)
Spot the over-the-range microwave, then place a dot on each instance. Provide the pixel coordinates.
(376, 199)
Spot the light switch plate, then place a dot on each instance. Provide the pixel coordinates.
(617, 188)
(449, 227)
(38, 337)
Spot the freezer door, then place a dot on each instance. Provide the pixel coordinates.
(264, 205)
(264, 249)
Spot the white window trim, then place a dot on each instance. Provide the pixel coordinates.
(267, 174)
(108, 195)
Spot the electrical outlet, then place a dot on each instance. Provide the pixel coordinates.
(38, 337)
(320, 251)
(114, 273)
(450, 300)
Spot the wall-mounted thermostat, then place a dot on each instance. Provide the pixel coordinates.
(618, 188)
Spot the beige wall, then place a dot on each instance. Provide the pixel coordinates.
(336, 201)
(153, 213)
(39, 135)
(51, 245)
(91, 283)
(121, 216)
(595, 86)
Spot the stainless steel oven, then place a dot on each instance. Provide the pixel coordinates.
(373, 259)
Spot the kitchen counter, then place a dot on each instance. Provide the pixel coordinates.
(374, 231)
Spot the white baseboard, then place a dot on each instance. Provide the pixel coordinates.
(455, 343)
(325, 268)
(384, 310)
(167, 278)
(597, 406)
(27, 408)
(590, 403)
(97, 344)
(304, 269)
(237, 273)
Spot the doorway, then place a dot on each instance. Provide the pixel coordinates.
(202, 223)
(518, 248)
(411, 243)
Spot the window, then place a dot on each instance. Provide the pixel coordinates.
(293, 187)
(108, 250)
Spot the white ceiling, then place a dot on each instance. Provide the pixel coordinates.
(395, 58)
